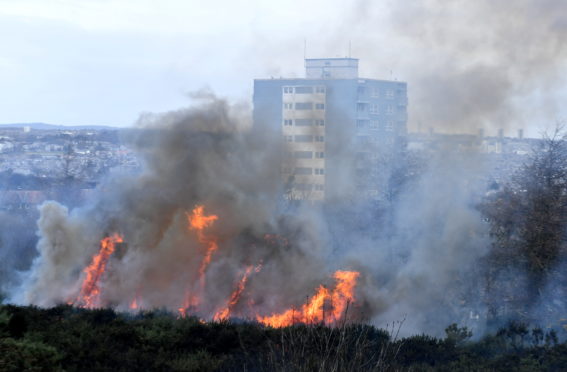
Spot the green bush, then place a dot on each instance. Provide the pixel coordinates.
(24, 355)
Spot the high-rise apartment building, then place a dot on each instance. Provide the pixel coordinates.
(338, 129)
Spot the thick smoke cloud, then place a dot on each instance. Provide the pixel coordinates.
(208, 155)
(200, 155)
(470, 64)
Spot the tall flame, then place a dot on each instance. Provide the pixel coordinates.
(198, 222)
(90, 291)
(225, 312)
(314, 311)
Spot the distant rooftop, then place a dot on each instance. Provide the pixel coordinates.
(331, 68)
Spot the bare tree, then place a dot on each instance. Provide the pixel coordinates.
(528, 220)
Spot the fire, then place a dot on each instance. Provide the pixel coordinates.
(198, 222)
(315, 310)
(134, 304)
(224, 313)
(344, 292)
(90, 291)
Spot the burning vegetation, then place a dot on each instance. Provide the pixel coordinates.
(326, 306)
(89, 297)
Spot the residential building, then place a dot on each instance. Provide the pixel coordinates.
(337, 128)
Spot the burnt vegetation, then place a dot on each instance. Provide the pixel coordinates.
(72, 339)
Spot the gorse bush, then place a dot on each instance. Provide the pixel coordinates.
(71, 339)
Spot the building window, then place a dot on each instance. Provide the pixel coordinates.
(389, 93)
(303, 122)
(303, 90)
(361, 124)
(361, 140)
(288, 138)
(374, 124)
(361, 107)
(319, 171)
(288, 122)
(375, 93)
(389, 126)
(288, 89)
(303, 154)
(373, 108)
(320, 155)
(287, 106)
(320, 106)
(361, 156)
(303, 138)
(319, 187)
(319, 89)
(304, 105)
(320, 123)
(303, 171)
(303, 186)
(319, 138)
(360, 91)
(390, 110)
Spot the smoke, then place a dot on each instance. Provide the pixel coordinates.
(202, 155)
(469, 64)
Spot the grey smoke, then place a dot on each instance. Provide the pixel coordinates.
(469, 64)
(199, 155)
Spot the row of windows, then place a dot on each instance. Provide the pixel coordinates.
(363, 140)
(375, 92)
(364, 157)
(305, 171)
(304, 90)
(305, 155)
(374, 108)
(304, 138)
(304, 106)
(305, 122)
(308, 187)
(375, 124)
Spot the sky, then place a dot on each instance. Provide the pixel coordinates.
(102, 62)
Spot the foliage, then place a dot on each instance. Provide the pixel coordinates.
(528, 224)
(71, 339)
(27, 355)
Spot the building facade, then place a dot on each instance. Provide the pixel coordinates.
(338, 129)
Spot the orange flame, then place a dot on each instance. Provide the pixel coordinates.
(198, 222)
(90, 291)
(344, 292)
(314, 310)
(224, 313)
(134, 304)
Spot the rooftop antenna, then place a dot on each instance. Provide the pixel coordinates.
(349, 49)
(304, 48)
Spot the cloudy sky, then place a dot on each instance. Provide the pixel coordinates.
(104, 62)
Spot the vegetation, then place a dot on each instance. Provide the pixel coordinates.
(65, 338)
(528, 226)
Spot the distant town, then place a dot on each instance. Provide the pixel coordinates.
(41, 162)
